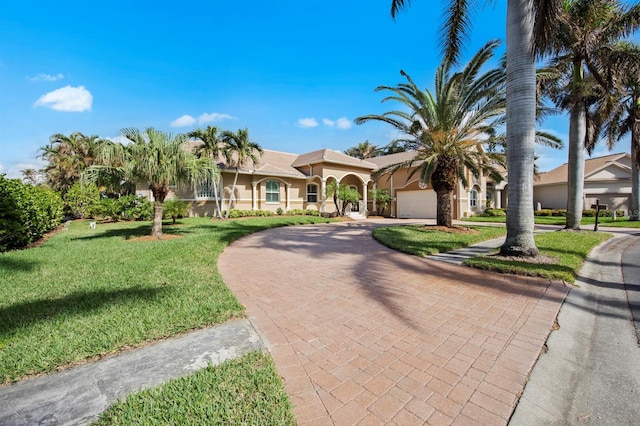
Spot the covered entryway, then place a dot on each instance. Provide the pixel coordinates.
(416, 204)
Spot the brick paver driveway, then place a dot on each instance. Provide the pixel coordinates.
(362, 334)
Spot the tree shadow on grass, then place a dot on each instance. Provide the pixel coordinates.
(17, 265)
(129, 232)
(29, 313)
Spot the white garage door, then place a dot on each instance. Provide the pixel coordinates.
(417, 204)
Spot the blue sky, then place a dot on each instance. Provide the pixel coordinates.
(295, 73)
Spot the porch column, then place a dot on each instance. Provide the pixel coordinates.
(364, 198)
(497, 198)
(288, 205)
(392, 208)
(323, 194)
(374, 201)
(254, 196)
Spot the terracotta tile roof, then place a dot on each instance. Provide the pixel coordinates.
(591, 165)
(331, 156)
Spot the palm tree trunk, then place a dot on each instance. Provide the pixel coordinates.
(634, 208)
(443, 208)
(233, 190)
(217, 199)
(159, 194)
(577, 132)
(521, 126)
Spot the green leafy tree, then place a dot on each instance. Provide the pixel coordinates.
(528, 27)
(155, 158)
(81, 199)
(585, 37)
(239, 150)
(176, 208)
(211, 147)
(382, 199)
(448, 128)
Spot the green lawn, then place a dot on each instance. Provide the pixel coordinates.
(587, 222)
(424, 241)
(570, 248)
(245, 391)
(87, 293)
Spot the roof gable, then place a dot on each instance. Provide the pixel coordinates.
(592, 168)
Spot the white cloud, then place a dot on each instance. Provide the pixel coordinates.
(76, 99)
(119, 139)
(305, 123)
(46, 77)
(340, 123)
(343, 123)
(184, 121)
(213, 117)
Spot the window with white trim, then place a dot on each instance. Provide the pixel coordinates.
(205, 190)
(312, 193)
(273, 191)
(473, 198)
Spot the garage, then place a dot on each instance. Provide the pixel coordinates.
(416, 204)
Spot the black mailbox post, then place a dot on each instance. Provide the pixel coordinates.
(597, 206)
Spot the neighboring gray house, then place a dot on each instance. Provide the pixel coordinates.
(606, 178)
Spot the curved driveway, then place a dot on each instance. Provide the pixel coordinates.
(362, 334)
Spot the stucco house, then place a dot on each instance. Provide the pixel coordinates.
(606, 178)
(298, 181)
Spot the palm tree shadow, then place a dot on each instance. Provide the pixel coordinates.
(17, 265)
(127, 233)
(29, 313)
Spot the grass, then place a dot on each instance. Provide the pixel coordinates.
(570, 248)
(423, 241)
(623, 222)
(87, 293)
(243, 391)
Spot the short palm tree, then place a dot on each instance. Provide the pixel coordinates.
(211, 147)
(449, 128)
(155, 158)
(239, 150)
(586, 33)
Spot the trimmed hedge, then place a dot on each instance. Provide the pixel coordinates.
(234, 214)
(494, 212)
(585, 213)
(26, 213)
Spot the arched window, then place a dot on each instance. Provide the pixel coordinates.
(273, 191)
(473, 198)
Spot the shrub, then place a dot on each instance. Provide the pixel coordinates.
(544, 212)
(81, 199)
(133, 207)
(559, 213)
(175, 209)
(106, 208)
(279, 211)
(494, 212)
(26, 213)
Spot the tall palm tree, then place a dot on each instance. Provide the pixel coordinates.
(239, 150)
(449, 128)
(29, 176)
(622, 111)
(363, 150)
(211, 147)
(528, 28)
(155, 158)
(586, 33)
(68, 157)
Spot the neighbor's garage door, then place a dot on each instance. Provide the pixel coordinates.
(417, 204)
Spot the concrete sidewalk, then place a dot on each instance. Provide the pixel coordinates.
(78, 395)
